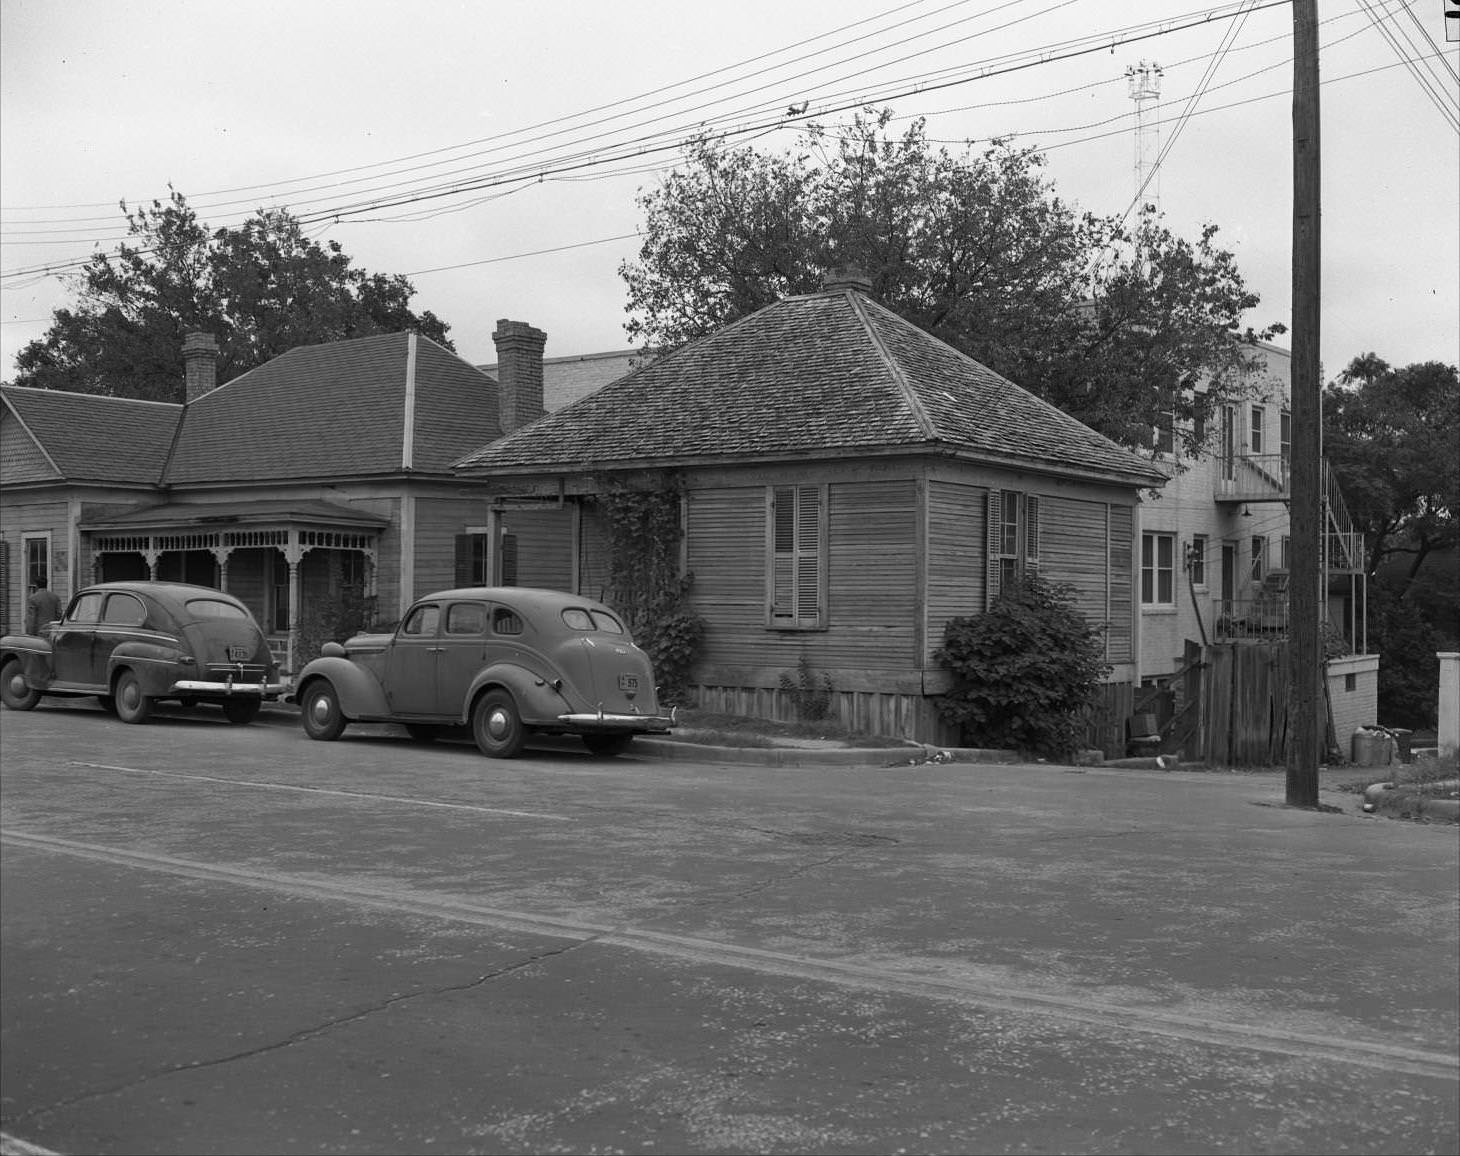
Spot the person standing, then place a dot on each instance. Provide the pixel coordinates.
(41, 607)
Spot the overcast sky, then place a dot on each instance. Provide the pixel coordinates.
(492, 151)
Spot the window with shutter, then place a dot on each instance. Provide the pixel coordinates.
(797, 563)
(1012, 540)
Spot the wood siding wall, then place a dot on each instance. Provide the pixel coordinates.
(872, 561)
(956, 571)
(37, 517)
(544, 545)
(1086, 544)
(438, 521)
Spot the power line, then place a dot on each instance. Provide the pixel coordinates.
(531, 163)
(636, 150)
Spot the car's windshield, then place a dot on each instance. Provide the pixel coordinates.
(580, 618)
(214, 608)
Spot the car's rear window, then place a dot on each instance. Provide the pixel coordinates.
(578, 618)
(213, 608)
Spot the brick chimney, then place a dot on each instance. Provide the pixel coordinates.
(846, 277)
(519, 373)
(200, 364)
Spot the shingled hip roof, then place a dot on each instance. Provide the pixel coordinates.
(812, 376)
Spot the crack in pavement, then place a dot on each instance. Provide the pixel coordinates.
(304, 1034)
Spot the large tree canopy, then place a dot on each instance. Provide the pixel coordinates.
(1391, 437)
(1113, 324)
(260, 289)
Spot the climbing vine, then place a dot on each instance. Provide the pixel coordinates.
(646, 582)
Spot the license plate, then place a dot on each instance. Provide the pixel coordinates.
(240, 653)
(628, 682)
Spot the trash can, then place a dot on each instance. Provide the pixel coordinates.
(1372, 747)
(1401, 740)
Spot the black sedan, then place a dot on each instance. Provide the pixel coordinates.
(131, 644)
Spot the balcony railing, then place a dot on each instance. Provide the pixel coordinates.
(1254, 478)
(1253, 618)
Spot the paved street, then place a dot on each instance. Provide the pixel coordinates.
(221, 939)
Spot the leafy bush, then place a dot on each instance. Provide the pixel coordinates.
(1026, 673)
(332, 621)
(810, 695)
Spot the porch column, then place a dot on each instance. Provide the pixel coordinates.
(293, 555)
(221, 555)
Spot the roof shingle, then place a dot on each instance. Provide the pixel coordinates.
(827, 372)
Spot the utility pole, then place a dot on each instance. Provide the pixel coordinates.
(1305, 526)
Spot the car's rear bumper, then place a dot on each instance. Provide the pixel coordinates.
(230, 687)
(648, 723)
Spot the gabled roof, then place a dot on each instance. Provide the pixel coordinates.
(86, 437)
(816, 375)
(339, 410)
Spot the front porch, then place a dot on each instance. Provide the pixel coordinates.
(298, 566)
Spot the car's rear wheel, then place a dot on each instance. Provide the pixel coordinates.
(607, 745)
(319, 711)
(133, 705)
(13, 689)
(423, 732)
(241, 710)
(497, 727)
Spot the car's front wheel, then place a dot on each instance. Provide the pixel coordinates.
(607, 745)
(497, 727)
(319, 711)
(14, 692)
(239, 711)
(133, 705)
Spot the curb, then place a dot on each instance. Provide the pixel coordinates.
(661, 748)
(811, 756)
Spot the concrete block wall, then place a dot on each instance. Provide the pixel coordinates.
(1353, 692)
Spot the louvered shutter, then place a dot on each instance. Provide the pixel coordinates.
(808, 555)
(994, 543)
(1031, 535)
(509, 560)
(462, 568)
(783, 553)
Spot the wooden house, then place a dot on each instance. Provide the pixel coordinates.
(321, 478)
(849, 483)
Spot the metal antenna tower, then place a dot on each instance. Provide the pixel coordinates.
(1143, 82)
